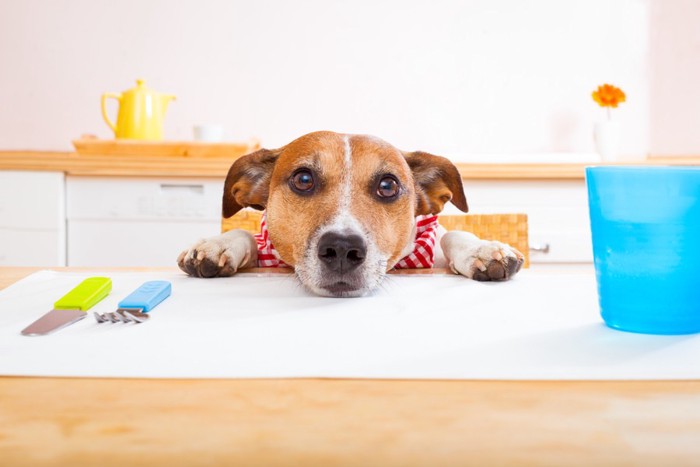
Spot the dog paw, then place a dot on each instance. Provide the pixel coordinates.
(490, 261)
(220, 256)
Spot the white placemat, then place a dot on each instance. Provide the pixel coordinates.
(537, 326)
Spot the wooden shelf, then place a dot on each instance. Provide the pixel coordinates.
(558, 171)
(189, 159)
(166, 149)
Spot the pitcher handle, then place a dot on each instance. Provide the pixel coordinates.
(106, 96)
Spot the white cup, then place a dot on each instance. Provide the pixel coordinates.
(211, 133)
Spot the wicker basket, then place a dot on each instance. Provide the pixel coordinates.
(244, 220)
(506, 228)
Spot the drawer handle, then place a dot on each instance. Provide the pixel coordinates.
(540, 248)
(171, 187)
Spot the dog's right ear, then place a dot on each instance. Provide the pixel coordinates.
(248, 182)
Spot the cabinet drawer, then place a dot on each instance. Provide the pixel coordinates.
(176, 199)
(557, 214)
(32, 200)
(560, 247)
(122, 243)
(21, 247)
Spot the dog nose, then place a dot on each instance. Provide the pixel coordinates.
(341, 253)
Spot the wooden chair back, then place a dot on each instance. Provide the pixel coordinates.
(507, 228)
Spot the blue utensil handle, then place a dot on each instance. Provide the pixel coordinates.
(147, 296)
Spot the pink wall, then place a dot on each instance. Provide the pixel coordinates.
(675, 77)
(468, 77)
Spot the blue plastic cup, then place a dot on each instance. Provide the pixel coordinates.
(645, 225)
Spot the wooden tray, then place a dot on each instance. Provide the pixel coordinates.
(194, 149)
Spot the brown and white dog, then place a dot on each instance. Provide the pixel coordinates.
(341, 210)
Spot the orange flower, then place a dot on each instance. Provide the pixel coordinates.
(608, 95)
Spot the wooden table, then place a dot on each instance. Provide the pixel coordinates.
(50, 421)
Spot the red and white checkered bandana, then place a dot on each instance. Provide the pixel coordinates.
(422, 255)
(267, 255)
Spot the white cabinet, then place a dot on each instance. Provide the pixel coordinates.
(557, 214)
(32, 219)
(138, 221)
(118, 221)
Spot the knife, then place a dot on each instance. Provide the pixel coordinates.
(72, 307)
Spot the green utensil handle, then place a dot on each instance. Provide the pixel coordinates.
(85, 295)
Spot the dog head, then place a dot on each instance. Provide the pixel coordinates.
(341, 208)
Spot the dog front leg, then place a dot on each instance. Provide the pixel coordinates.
(481, 260)
(220, 256)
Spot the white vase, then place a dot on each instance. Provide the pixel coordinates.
(209, 133)
(606, 135)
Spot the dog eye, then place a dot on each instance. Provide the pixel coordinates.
(388, 187)
(302, 181)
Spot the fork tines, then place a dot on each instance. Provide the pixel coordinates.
(122, 315)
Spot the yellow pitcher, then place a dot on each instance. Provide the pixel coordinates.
(141, 112)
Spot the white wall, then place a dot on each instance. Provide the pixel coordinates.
(453, 77)
(675, 97)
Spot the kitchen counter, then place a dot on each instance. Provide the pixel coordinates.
(88, 421)
(201, 166)
(107, 190)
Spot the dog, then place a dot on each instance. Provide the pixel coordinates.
(343, 210)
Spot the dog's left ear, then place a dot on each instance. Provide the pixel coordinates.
(248, 182)
(437, 181)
